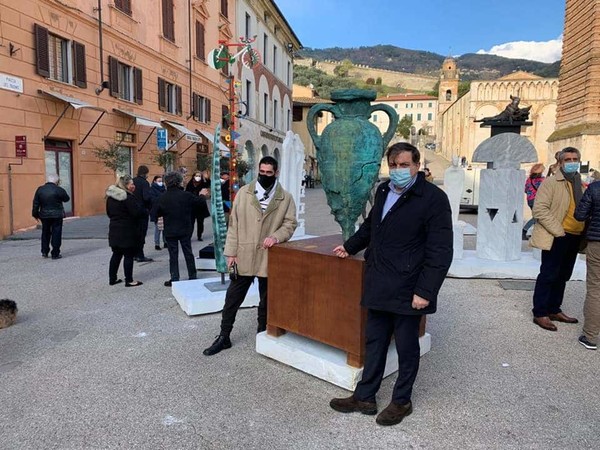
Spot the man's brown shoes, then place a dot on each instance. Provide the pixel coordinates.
(545, 323)
(562, 317)
(350, 404)
(394, 413)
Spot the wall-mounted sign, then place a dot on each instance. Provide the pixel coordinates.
(21, 146)
(193, 138)
(161, 138)
(11, 83)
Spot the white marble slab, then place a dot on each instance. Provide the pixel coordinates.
(525, 268)
(323, 361)
(459, 239)
(194, 298)
(468, 229)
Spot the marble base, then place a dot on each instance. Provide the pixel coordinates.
(468, 229)
(323, 361)
(526, 268)
(194, 298)
(206, 264)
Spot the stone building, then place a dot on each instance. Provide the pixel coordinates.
(578, 110)
(77, 74)
(459, 135)
(266, 89)
(422, 109)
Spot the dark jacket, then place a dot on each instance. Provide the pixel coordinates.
(203, 212)
(155, 192)
(179, 209)
(142, 192)
(48, 202)
(589, 208)
(409, 252)
(125, 213)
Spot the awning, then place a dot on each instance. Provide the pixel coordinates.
(186, 132)
(139, 120)
(211, 139)
(74, 103)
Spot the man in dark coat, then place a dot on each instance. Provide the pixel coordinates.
(408, 236)
(49, 209)
(179, 209)
(142, 193)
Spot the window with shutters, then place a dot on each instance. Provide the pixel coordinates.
(275, 59)
(123, 6)
(224, 8)
(168, 19)
(125, 81)
(297, 113)
(247, 26)
(200, 50)
(201, 108)
(265, 107)
(169, 97)
(275, 113)
(59, 59)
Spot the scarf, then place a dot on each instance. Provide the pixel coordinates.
(575, 180)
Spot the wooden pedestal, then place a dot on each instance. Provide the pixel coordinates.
(315, 294)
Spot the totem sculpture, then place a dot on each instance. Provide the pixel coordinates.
(216, 203)
(349, 152)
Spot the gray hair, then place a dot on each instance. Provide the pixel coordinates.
(52, 178)
(173, 179)
(561, 156)
(123, 181)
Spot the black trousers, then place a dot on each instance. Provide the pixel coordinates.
(51, 233)
(143, 231)
(378, 332)
(555, 271)
(236, 293)
(186, 247)
(199, 226)
(127, 255)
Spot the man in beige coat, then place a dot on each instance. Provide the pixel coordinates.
(558, 234)
(263, 214)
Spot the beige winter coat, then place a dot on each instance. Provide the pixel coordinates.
(549, 209)
(249, 226)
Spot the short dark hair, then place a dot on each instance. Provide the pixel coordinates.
(400, 147)
(173, 179)
(156, 177)
(561, 157)
(143, 170)
(269, 160)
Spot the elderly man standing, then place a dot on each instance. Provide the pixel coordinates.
(49, 209)
(558, 234)
(408, 237)
(263, 214)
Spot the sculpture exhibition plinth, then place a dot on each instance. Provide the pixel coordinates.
(315, 321)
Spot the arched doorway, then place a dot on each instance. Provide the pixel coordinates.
(264, 151)
(249, 157)
(277, 155)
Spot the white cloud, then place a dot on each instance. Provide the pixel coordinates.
(548, 51)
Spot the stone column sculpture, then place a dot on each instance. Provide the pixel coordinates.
(349, 152)
(454, 184)
(291, 174)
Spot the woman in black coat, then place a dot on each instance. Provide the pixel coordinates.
(125, 213)
(157, 188)
(200, 182)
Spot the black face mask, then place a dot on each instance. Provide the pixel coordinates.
(267, 181)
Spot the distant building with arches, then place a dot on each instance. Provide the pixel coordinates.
(459, 135)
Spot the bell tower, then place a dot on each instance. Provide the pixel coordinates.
(448, 90)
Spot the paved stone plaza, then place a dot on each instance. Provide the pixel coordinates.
(90, 365)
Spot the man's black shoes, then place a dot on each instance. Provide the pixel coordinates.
(56, 256)
(350, 404)
(221, 343)
(394, 413)
(144, 259)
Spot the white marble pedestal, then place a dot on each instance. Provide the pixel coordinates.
(194, 298)
(321, 360)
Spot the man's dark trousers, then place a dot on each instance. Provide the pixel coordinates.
(236, 293)
(51, 233)
(186, 248)
(378, 332)
(555, 271)
(143, 227)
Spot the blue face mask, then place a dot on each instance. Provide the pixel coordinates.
(571, 167)
(400, 177)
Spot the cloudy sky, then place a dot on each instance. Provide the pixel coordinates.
(530, 29)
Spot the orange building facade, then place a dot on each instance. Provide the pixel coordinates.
(78, 75)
